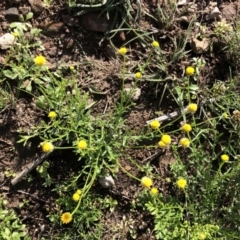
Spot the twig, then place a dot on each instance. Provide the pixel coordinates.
(31, 166)
(168, 116)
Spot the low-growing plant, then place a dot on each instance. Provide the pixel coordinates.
(11, 227)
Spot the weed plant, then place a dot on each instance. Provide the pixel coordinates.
(203, 179)
(10, 225)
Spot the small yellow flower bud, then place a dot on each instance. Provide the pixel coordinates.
(47, 147)
(39, 60)
(166, 139)
(202, 236)
(76, 197)
(52, 114)
(122, 51)
(192, 107)
(185, 142)
(82, 144)
(186, 128)
(79, 192)
(181, 183)
(155, 44)
(155, 124)
(161, 144)
(154, 191)
(146, 182)
(190, 71)
(138, 75)
(225, 158)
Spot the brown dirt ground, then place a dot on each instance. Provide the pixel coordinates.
(68, 40)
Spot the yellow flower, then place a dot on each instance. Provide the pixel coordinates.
(47, 147)
(202, 236)
(185, 142)
(146, 182)
(79, 192)
(154, 191)
(161, 144)
(166, 139)
(168, 180)
(190, 71)
(76, 197)
(181, 183)
(82, 144)
(71, 68)
(52, 114)
(192, 107)
(186, 128)
(155, 124)
(122, 51)
(15, 34)
(225, 115)
(155, 44)
(66, 217)
(138, 75)
(40, 60)
(225, 158)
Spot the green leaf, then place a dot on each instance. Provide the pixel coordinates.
(10, 74)
(7, 231)
(29, 16)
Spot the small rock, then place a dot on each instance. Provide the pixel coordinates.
(106, 181)
(12, 14)
(134, 95)
(37, 6)
(6, 41)
(215, 14)
(199, 47)
(95, 22)
(183, 2)
(52, 29)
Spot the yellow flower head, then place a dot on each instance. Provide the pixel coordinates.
(155, 124)
(82, 144)
(71, 68)
(225, 158)
(185, 142)
(155, 44)
(15, 33)
(79, 192)
(190, 71)
(181, 183)
(39, 60)
(154, 191)
(52, 114)
(161, 144)
(76, 197)
(122, 51)
(202, 236)
(47, 147)
(192, 107)
(225, 115)
(168, 180)
(186, 128)
(138, 75)
(66, 217)
(146, 182)
(166, 139)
